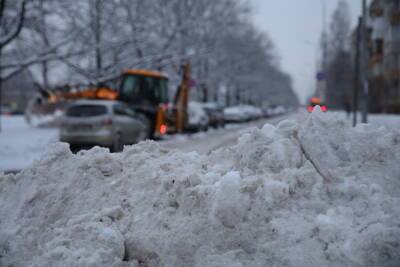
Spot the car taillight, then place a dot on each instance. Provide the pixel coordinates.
(163, 129)
(165, 106)
(107, 122)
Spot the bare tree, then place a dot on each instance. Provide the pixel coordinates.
(339, 67)
(92, 41)
(10, 26)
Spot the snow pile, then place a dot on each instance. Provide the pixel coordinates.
(320, 194)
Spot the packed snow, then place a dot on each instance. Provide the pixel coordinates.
(315, 193)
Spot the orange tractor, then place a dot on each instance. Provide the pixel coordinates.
(144, 91)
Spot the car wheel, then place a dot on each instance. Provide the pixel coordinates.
(117, 146)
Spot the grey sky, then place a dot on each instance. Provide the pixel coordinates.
(295, 27)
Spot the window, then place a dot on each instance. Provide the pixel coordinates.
(123, 111)
(130, 87)
(129, 111)
(379, 46)
(119, 110)
(86, 111)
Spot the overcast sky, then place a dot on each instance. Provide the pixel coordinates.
(295, 27)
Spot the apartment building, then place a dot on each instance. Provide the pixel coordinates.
(384, 62)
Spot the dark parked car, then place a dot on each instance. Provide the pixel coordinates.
(215, 114)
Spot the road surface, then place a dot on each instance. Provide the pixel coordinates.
(21, 145)
(204, 143)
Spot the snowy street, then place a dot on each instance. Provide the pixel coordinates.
(21, 145)
(204, 142)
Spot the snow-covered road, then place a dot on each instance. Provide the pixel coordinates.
(21, 145)
(204, 143)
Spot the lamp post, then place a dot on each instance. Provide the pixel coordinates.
(1, 91)
(364, 58)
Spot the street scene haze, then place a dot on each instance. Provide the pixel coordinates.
(200, 133)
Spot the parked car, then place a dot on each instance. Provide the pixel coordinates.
(5, 110)
(242, 113)
(276, 110)
(198, 119)
(106, 123)
(215, 114)
(234, 115)
(251, 112)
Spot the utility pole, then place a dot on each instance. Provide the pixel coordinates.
(357, 71)
(364, 57)
(322, 76)
(325, 41)
(1, 90)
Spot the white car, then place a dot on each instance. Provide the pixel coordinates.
(252, 112)
(276, 110)
(198, 119)
(234, 115)
(106, 123)
(242, 113)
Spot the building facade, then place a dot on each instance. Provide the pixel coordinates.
(384, 51)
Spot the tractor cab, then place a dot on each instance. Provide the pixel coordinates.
(144, 90)
(147, 93)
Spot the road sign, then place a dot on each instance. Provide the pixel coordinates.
(321, 76)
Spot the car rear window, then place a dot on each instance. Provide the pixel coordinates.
(86, 111)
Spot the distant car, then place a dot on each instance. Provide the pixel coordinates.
(276, 110)
(242, 113)
(106, 123)
(5, 110)
(235, 115)
(315, 101)
(198, 119)
(252, 112)
(215, 114)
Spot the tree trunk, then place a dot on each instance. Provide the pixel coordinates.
(98, 38)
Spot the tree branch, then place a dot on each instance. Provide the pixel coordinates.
(14, 33)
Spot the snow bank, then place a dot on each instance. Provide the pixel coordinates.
(319, 194)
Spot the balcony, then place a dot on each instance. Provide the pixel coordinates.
(393, 75)
(376, 9)
(375, 65)
(375, 59)
(379, 28)
(376, 12)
